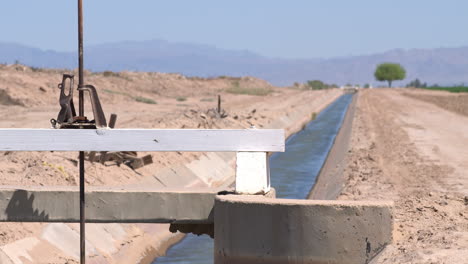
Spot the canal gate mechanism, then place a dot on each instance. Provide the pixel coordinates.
(247, 220)
(73, 131)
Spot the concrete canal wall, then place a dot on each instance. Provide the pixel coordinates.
(254, 229)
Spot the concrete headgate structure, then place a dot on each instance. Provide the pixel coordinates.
(250, 226)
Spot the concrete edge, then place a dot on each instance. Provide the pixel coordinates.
(264, 230)
(208, 228)
(253, 199)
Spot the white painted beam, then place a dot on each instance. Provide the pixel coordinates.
(252, 173)
(206, 140)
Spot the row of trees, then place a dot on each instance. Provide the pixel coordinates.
(388, 72)
(417, 84)
(319, 85)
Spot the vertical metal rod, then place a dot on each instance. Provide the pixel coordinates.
(82, 210)
(80, 57)
(81, 113)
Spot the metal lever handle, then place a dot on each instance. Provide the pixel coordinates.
(99, 117)
(67, 111)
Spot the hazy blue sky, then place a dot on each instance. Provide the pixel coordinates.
(278, 28)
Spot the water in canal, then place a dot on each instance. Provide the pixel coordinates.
(292, 173)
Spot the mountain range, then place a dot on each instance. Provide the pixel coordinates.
(441, 65)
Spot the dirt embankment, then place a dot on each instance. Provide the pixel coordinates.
(414, 152)
(457, 103)
(141, 100)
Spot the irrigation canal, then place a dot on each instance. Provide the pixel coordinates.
(293, 174)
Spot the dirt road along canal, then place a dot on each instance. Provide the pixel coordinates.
(411, 146)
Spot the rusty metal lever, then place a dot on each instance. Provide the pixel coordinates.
(99, 117)
(67, 111)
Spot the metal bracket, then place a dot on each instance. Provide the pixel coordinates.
(99, 117)
(67, 111)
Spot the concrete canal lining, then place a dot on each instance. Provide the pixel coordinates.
(330, 181)
(250, 229)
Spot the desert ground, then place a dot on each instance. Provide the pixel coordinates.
(411, 146)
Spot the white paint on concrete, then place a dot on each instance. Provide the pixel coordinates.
(252, 173)
(116, 230)
(4, 259)
(211, 169)
(19, 250)
(99, 237)
(66, 239)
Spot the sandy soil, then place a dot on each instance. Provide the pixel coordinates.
(29, 99)
(412, 147)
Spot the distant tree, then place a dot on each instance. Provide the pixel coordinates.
(366, 85)
(317, 85)
(416, 83)
(389, 72)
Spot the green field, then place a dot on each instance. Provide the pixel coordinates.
(452, 89)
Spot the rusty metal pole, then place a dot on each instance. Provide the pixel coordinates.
(81, 114)
(80, 57)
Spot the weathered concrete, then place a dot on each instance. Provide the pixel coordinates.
(108, 205)
(208, 229)
(66, 239)
(261, 230)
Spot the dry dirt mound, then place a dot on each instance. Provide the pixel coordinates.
(6, 99)
(38, 87)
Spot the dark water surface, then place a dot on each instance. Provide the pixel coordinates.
(293, 174)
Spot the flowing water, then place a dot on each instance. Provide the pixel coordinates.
(292, 173)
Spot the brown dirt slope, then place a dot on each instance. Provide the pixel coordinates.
(416, 154)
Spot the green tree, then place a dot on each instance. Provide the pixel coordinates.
(317, 85)
(389, 72)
